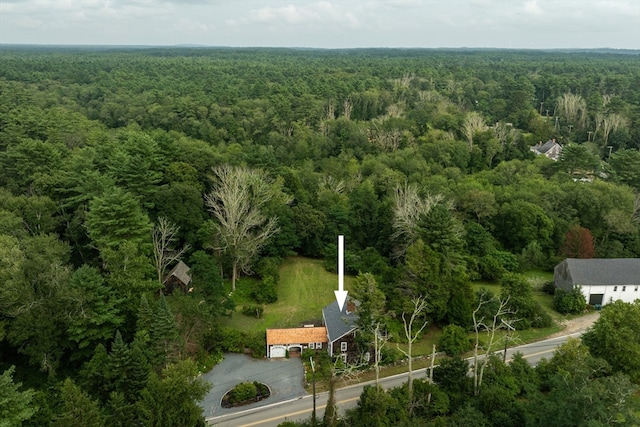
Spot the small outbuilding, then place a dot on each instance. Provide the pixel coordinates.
(602, 280)
(178, 278)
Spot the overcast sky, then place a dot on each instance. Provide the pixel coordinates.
(536, 24)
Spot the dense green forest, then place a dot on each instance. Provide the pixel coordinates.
(116, 163)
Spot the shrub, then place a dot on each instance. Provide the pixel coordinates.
(232, 340)
(269, 267)
(242, 392)
(454, 340)
(253, 310)
(390, 355)
(549, 288)
(256, 342)
(572, 302)
(265, 291)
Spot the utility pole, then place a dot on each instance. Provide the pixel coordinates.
(506, 339)
(313, 380)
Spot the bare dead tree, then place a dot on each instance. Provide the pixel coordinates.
(419, 305)
(380, 339)
(385, 139)
(395, 110)
(473, 123)
(236, 203)
(329, 183)
(347, 108)
(163, 236)
(408, 208)
(507, 135)
(611, 123)
(479, 324)
(573, 107)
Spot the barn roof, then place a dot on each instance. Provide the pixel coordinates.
(604, 271)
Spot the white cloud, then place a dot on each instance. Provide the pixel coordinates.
(532, 8)
(326, 23)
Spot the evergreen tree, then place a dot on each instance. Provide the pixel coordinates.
(15, 406)
(163, 333)
(119, 362)
(95, 374)
(171, 399)
(78, 410)
(145, 318)
(122, 413)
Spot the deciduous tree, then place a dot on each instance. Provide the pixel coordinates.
(578, 243)
(237, 203)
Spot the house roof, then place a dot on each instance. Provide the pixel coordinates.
(546, 146)
(296, 335)
(181, 272)
(339, 322)
(604, 271)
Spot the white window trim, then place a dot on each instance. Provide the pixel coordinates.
(343, 346)
(318, 346)
(312, 345)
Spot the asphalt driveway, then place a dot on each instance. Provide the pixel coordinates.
(285, 378)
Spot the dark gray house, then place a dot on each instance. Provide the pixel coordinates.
(550, 149)
(341, 329)
(603, 280)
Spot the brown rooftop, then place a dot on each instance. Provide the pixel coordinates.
(297, 335)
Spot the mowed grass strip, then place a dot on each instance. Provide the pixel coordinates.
(305, 287)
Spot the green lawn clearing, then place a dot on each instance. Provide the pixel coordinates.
(305, 287)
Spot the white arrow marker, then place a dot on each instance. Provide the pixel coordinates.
(341, 294)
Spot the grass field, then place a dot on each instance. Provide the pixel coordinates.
(305, 287)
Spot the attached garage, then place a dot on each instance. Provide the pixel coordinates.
(277, 351)
(294, 340)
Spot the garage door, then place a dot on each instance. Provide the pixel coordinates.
(277, 351)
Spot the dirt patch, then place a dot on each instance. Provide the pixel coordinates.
(579, 324)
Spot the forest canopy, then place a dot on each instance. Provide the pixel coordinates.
(421, 158)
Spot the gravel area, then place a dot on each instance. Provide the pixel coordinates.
(284, 377)
(579, 324)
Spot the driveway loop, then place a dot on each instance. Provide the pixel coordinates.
(284, 377)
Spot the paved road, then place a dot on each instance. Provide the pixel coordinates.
(283, 376)
(298, 409)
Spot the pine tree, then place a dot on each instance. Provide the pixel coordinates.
(145, 318)
(15, 405)
(122, 413)
(119, 362)
(137, 370)
(78, 410)
(95, 374)
(163, 333)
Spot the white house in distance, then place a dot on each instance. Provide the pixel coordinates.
(603, 280)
